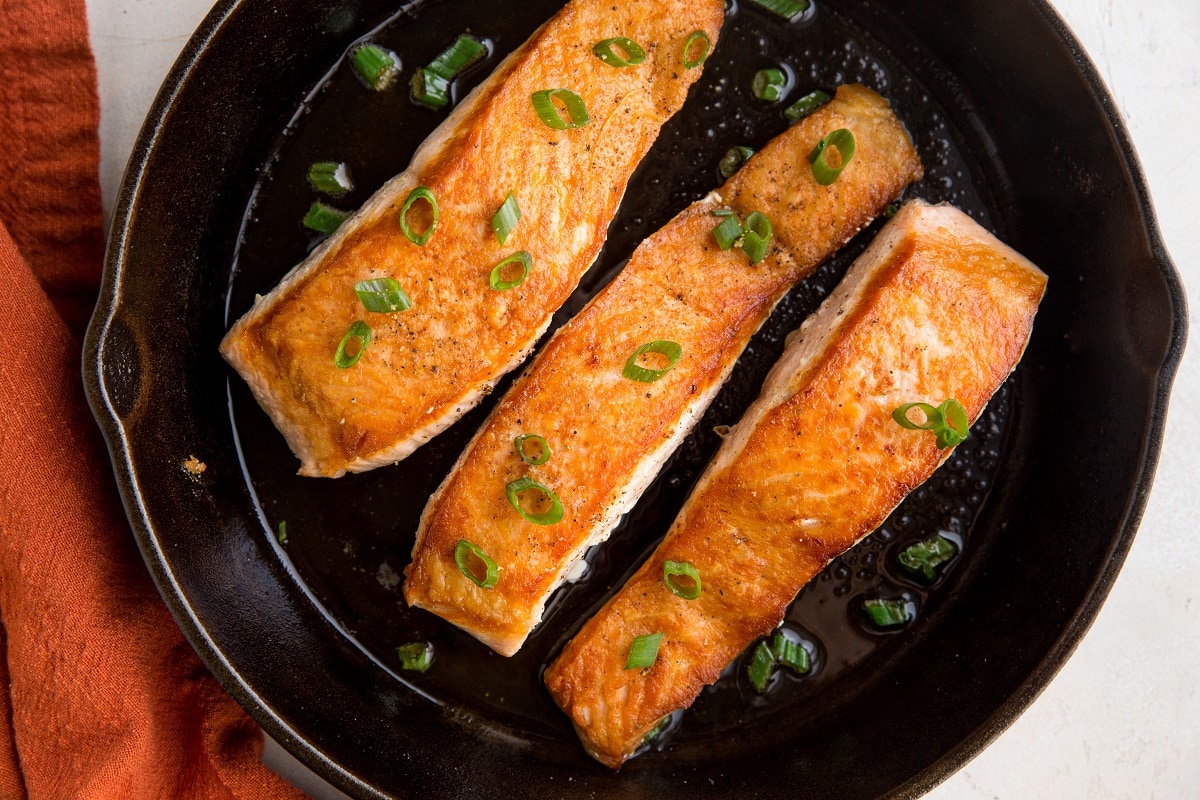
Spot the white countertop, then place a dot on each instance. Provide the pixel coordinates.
(1122, 719)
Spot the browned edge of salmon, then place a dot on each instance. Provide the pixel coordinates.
(936, 308)
(427, 366)
(609, 435)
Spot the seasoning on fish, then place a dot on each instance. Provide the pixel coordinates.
(936, 308)
(616, 390)
(429, 230)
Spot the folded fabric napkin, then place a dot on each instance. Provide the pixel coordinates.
(102, 696)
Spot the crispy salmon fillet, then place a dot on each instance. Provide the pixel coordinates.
(935, 308)
(609, 435)
(427, 366)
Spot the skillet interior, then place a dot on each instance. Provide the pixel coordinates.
(1055, 177)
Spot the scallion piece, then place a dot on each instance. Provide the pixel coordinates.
(505, 218)
(547, 111)
(924, 557)
(503, 277)
(634, 54)
(419, 193)
(415, 656)
(324, 218)
(282, 534)
(806, 105)
(469, 558)
(431, 84)
(644, 651)
(948, 421)
(891, 209)
(842, 142)
(768, 84)
(757, 236)
(657, 730)
(330, 177)
(886, 613)
(382, 295)
(690, 58)
(376, 66)
(733, 159)
(788, 9)
(352, 346)
(728, 231)
(682, 578)
(762, 664)
(540, 455)
(551, 507)
(791, 654)
(668, 354)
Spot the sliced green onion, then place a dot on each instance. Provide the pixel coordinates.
(415, 656)
(657, 730)
(688, 47)
(947, 421)
(499, 282)
(553, 511)
(891, 209)
(377, 67)
(733, 159)
(359, 337)
(728, 231)
(788, 9)
(382, 295)
(431, 84)
(762, 664)
(547, 111)
(505, 218)
(888, 613)
(689, 587)
(324, 219)
(927, 555)
(768, 84)
(634, 54)
(757, 236)
(791, 654)
(722, 212)
(419, 193)
(543, 452)
(840, 140)
(806, 105)
(330, 177)
(465, 554)
(644, 651)
(669, 350)
(283, 531)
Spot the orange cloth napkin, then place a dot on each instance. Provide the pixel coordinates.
(102, 696)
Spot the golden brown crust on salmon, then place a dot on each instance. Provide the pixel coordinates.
(935, 308)
(609, 435)
(429, 365)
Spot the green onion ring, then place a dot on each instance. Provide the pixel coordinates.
(383, 295)
(463, 552)
(673, 570)
(806, 105)
(791, 654)
(695, 36)
(788, 9)
(505, 218)
(841, 140)
(540, 458)
(419, 193)
(415, 656)
(324, 218)
(549, 516)
(543, 104)
(728, 231)
(497, 281)
(359, 331)
(644, 651)
(956, 424)
(634, 54)
(762, 664)
(932, 417)
(662, 347)
(330, 177)
(733, 160)
(768, 84)
(757, 237)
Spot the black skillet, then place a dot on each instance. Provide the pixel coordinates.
(1044, 498)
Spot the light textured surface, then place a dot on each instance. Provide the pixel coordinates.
(1122, 719)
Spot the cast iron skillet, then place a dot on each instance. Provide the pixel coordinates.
(1013, 125)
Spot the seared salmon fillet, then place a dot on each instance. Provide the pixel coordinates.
(426, 366)
(936, 308)
(608, 434)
